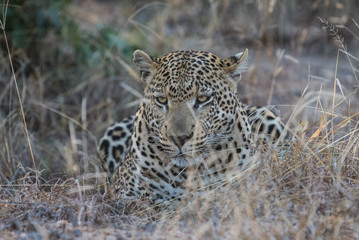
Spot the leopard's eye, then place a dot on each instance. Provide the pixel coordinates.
(203, 99)
(161, 100)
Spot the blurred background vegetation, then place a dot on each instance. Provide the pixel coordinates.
(73, 65)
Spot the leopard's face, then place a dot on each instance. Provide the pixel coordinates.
(190, 102)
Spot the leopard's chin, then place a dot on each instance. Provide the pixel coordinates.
(180, 161)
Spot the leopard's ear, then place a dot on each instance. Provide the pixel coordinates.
(146, 64)
(236, 64)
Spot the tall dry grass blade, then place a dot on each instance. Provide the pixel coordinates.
(356, 24)
(18, 95)
(84, 141)
(334, 93)
(4, 12)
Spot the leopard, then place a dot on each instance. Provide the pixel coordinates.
(190, 127)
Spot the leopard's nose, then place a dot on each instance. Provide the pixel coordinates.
(180, 140)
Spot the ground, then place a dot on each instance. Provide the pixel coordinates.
(77, 79)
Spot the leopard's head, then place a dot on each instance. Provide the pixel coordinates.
(190, 100)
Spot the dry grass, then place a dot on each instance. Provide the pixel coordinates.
(307, 69)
